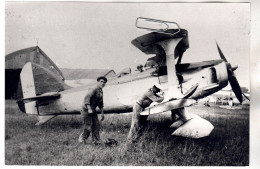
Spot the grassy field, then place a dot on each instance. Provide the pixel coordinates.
(56, 142)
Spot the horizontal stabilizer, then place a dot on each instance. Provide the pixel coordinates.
(194, 128)
(167, 106)
(44, 119)
(44, 97)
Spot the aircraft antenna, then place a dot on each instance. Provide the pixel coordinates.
(37, 47)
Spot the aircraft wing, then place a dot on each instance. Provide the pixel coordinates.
(167, 106)
(172, 103)
(147, 42)
(44, 97)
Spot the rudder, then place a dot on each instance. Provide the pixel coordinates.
(28, 88)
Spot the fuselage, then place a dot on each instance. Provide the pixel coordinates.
(120, 93)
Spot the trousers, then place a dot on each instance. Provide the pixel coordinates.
(138, 123)
(91, 125)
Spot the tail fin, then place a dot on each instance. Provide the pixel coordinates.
(37, 80)
(28, 88)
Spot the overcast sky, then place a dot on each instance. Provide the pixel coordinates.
(98, 35)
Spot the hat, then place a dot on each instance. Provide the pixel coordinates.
(102, 77)
(158, 86)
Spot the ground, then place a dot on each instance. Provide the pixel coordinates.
(56, 142)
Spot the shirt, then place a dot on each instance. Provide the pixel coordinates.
(94, 98)
(148, 97)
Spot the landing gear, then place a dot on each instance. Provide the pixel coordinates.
(181, 113)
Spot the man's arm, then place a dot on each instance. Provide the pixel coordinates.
(102, 114)
(87, 98)
(156, 98)
(101, 105)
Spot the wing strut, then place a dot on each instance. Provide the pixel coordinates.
(169, 48)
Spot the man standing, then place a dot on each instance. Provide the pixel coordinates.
(92, 100)
(144, 101)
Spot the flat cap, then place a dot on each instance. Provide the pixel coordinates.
(102, 77)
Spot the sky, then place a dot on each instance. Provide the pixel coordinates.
(98, 35)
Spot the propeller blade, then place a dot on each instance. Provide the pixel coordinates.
(231, 77)
(235, 85)
(246, 96)
(221, 54)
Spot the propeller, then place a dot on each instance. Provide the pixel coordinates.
(231, 77)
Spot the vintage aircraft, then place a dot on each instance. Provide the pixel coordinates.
(47, 96)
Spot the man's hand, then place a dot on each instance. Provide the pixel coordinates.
(161, 94)
(102, 114)
(89, 109)
(102, 117)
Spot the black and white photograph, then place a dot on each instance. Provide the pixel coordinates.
(127, 83)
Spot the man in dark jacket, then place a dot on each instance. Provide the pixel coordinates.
(92, 100)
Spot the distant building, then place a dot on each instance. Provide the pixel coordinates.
(15, 61)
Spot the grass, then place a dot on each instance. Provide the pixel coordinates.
(56, 142)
